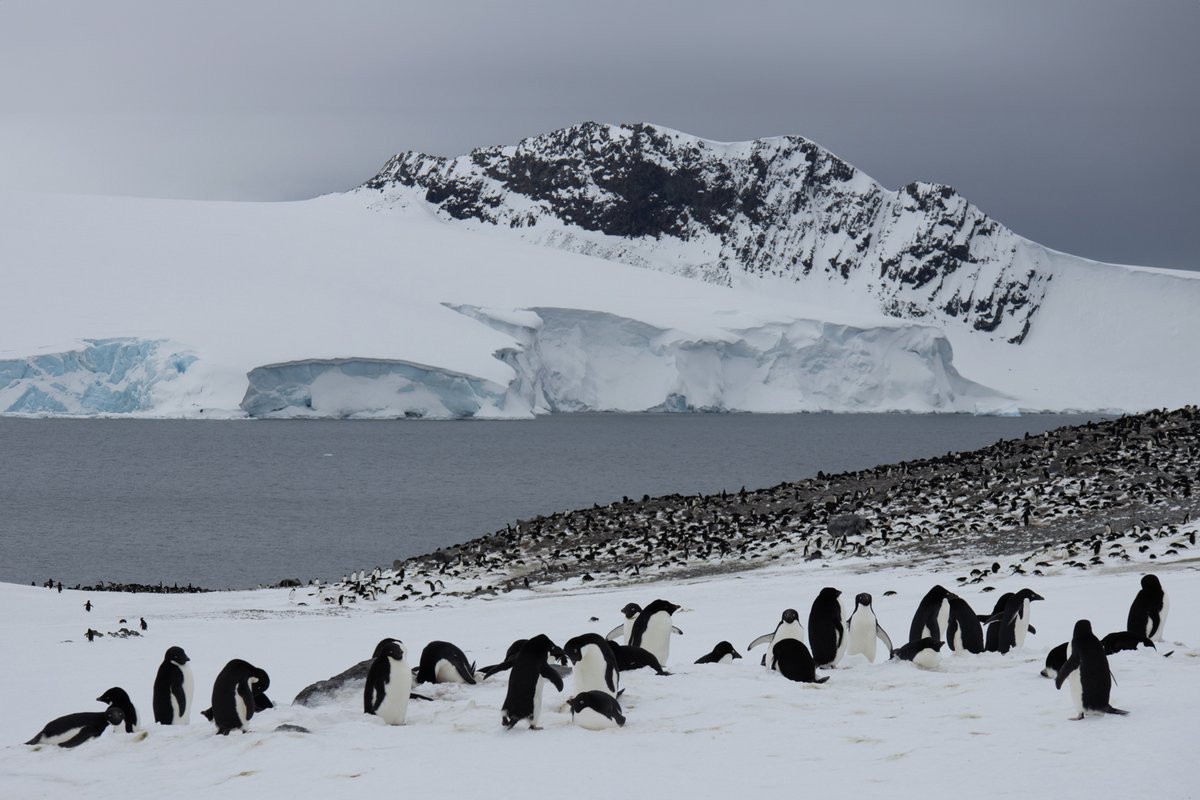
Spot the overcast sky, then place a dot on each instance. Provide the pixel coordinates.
(1077, 124)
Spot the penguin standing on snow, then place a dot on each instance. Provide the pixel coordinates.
(173, 688)
(1148, 613)
(826, 631)
(523, 701)
(75, 729)
(723, 653)
(932, 615)
(389, 682)
(442, 662)
(788, 627)
(1010, 621)
(233, 695)
(653, 628)
(595, 666)
(964, 632)
(596, 711)
(864, 630)
(1086, 669)
(625, 629)
(116, 696)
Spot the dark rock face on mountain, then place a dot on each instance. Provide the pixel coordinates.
(783, 208)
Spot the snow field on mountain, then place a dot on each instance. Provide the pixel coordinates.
(980, 725)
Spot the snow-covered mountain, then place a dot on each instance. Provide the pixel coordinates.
(560, 275)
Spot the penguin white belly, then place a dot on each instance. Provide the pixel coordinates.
(445, 672)
(593, 720)
(589, 672)
(842, 644)
(957, 644)
(943, 618)
(1162, 618)
(629, 628)
(1076, 691)
(657, 637)
(1021, 624)
(725, 659)
(239, 708)
(926, 659)
(59, 738)
(785, 630)
(394, 708)
(537, 703)
(183, 715)
(861, 637)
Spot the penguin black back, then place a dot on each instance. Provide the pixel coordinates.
(718, 653)
(1094, 676)
(795, 662)
(454, 658)
(964, 628)
(1145, 613)
(529, 666)
(172, 688)
(926, 620)
(826, 631)
(233, 702)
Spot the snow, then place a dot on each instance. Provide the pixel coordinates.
(985, 725)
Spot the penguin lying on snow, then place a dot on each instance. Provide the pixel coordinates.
(596, 711)
(922, 652)
(443, 662)
(75, 729)
(116, 696)
(723, 653)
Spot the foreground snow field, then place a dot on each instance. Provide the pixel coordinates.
(978, 726)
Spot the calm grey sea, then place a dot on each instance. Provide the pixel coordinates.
(233, 504)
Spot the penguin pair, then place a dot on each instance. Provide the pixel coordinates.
(649, 628)
(786, 651)
(530, 671)
(1009, 622)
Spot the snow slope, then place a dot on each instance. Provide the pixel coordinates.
(984, 725)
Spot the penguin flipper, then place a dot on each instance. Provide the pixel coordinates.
(766, 637)
(415, 696)
(488, 672)
(1065, 670)
(1118, 711)
(550, 674)
(883, 637)
(676, 630)
(616, 633)
(1032, 629)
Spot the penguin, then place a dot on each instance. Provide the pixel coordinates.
(555, 656)
(1086, 669)
(596, 710)
(233, 695)
(932, 616)
(116, 696)
(173, 688)
(595, 666)
(788, 627)
(442, 662)
(826, 631)
(652, 629)
(863, 629)
(631, 658)
(625, 630)
(964, 632)
(793, 661)
(1055, 659)
(75, 729)
(1148, 612)
(1116, 642)
(922, 652)
(523, 701)
(723, 653)
(1009, 621)
(389, 682)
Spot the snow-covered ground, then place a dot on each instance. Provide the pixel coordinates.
(978, 726)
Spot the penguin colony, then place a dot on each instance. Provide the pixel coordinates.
(797, 654)
(1101, 493)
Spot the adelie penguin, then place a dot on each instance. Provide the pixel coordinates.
(595, 666)
(793, 661)
(723, 653)
(932, 615)
(788, 627)
(826, 631)
(631, 658)
(922, 652)
(233, 695)
(442, 662)
(116, 696)
(1009, 622)
(1148, 613)
(173, 689)
(1087, 672)
(964, 632)
(523, 701)
(389, 682)
(596, 711)
(75, 729)
(863, 630)
(554, 656)
(624, 631)
(652, 629)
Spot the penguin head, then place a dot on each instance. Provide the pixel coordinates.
(631, 610)
(115, 696)
(662, 605)
(114, 715)
(1029, 594)
(382, 647)
(1151, 582)
(791, 615)
(176, 655)
(862, 599)
(577, 703)
(1083, 628)
(726, 649)
(259, 679)
(391, 648)
(829, 593)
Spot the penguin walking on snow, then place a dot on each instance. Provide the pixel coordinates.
(523, 701)
(75, 729)
(1148, 612)
(173, 688)
(233, 695)
(116, 696)
(788, 627)
(389, 683)
(826, 631)
(863, 630)
(1086, 669)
